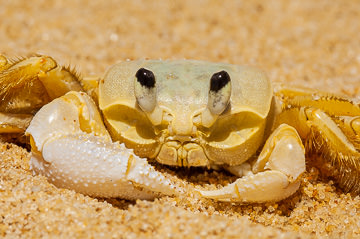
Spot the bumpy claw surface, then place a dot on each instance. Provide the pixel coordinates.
(71, 146)
(275, 172)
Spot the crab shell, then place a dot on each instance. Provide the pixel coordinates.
(181, 130)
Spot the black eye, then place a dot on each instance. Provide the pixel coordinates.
(145, 78)
(219, 80)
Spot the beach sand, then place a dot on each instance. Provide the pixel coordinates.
(308, 43)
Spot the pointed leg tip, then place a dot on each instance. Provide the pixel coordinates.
(222, 194)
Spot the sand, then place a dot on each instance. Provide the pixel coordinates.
(308, 43)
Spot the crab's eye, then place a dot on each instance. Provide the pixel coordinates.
(145, 89)
(219, 93)
(145, 78)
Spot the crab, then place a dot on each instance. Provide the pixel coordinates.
(99, 135)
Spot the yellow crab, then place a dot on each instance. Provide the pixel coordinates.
(180, 113)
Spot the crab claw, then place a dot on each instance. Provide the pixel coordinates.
(274, 175)
(70, 145)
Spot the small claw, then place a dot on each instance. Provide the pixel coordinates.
(275, 172)
(262, 187)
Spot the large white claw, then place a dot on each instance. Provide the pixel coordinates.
(71, 146)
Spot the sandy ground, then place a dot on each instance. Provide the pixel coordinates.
(311, 43)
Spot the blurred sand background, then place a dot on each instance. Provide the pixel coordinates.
(310, 43)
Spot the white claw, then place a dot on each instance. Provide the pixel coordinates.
(89, 162)
(275, 174)
(99, 168)
(261, 187)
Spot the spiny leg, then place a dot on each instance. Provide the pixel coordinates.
(71, 146)
(4, 63)
(330, 126)
(275, 173)
(26, 84)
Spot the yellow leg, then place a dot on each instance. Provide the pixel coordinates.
(14, 123)
(330, 126)
(333, 105)
(4, 64)
(26, 85)
(340, 149)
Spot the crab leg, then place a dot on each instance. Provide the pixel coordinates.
(71, 146)
(330, 126)
(26, 84)
(274, 175)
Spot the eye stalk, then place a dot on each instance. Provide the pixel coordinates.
(218, 98)
(219, 93)
(145, 89)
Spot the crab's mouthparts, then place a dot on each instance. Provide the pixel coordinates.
(181, 139)
(185, 151)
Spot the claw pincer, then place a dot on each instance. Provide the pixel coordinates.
(71, 146)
